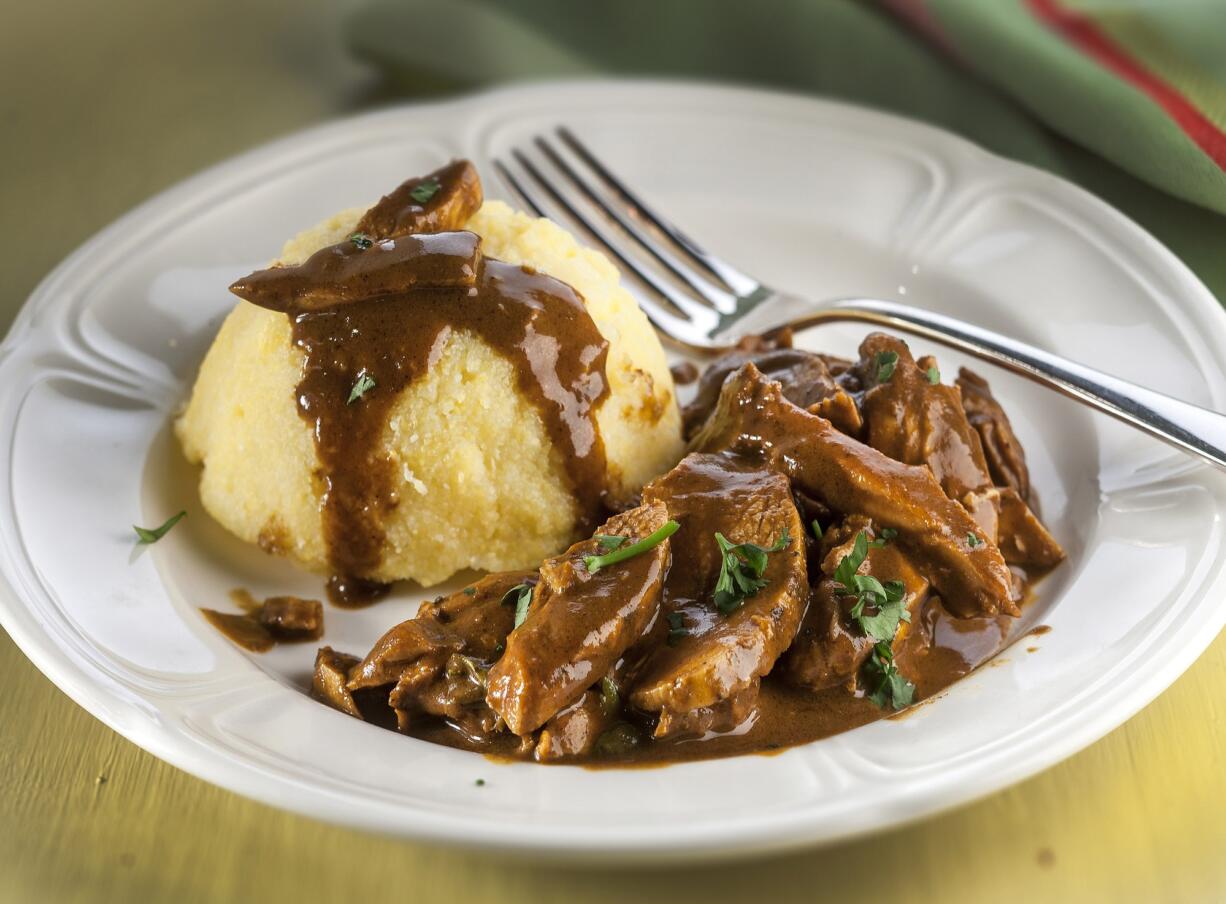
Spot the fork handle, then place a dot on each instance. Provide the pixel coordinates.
(1182, 424)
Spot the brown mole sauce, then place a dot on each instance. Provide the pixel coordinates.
(261, 626)
(943, 650)
(383, 307)
(241, 629)
(937, 650)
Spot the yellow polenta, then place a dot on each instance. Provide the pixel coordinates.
(482, 486)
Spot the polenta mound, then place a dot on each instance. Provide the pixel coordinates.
(480, 484)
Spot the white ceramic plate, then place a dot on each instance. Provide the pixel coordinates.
(818, 198)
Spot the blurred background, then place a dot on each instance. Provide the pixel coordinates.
(104, 105)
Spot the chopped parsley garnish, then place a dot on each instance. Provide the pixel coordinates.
(740, 572)
(361, 240)
(610, 698)
(884, 536)
(890, 688)
(153, 534)
(845, 572)
(365, 383)
(888, 600)
(469, 591)
(519, 596)
(425, 191)
(594, 563)
(972, 541)
(817, 529)
(934, 376)
(676, 628)
(621, 738)
(609, 542)
(886, 362)
(480, 783)
(521, 607)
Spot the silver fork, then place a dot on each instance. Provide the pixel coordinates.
(709, 305)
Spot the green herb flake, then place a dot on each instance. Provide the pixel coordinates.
(741, 570)
(480, 783)
(610, 542)
(610, 698)
(972, 541)
(361, 240)
(886, 362)
(817, 529)
(153, 534)
(426, 190)
(887, 601)
(884, 536)
(470, 591)
(519, 596)
(676, 628)
(934, 376)
(594, 563)
(618, 740)
(521, 608)
(889, 687)
(365, 383)
(845, 572)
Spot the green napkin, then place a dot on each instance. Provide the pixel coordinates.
(1125, 97)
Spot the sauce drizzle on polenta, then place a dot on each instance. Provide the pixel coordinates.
(377, 313)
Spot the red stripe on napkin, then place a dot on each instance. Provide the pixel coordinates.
(923, 21)
(1081, 32)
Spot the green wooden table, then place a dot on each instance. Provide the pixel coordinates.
(102, 105)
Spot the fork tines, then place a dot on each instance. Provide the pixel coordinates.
(687, 292)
